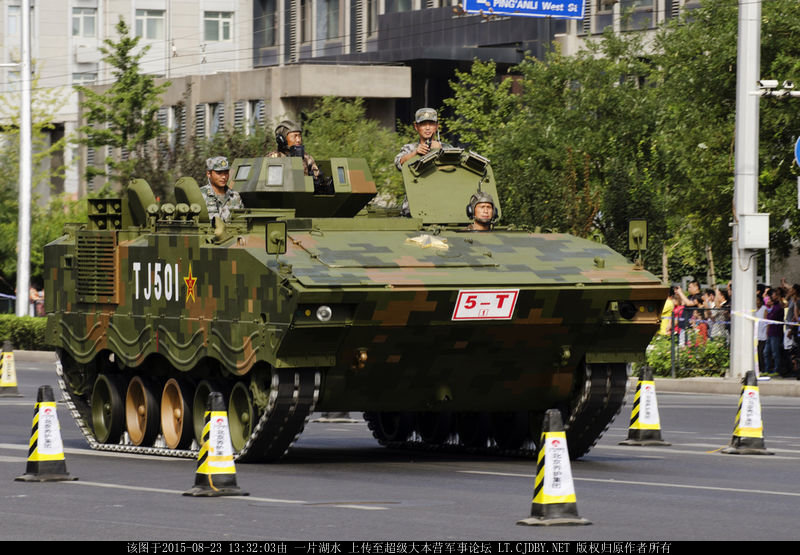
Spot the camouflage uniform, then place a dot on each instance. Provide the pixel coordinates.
(221, 205)
(308, 161)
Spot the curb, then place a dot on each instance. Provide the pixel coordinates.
(35, 356)
(728, 386)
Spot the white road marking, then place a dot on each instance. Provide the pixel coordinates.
(637, 483)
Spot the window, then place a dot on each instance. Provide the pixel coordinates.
(305, 20)
(14, 23)
(269, 16)
(84, 78)
(332, 19)
(256, 116)
(372, 16)
(398, 6)
(217, 113)
(83, 22)
(218, 26)
(150, 24)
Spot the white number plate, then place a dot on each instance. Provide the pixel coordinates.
(487, 304)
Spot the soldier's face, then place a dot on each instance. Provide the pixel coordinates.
(295, 138)
(483, 211)
(218, 179)
(426, 129)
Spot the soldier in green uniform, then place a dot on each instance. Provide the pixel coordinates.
(220, 199)
(289, 137)
(426, 122)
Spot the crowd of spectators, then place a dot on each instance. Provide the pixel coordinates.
(777, 314)
(697, 315)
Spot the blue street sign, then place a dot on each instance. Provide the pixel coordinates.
(797, 151)
(559, 9)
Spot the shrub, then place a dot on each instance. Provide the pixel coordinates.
(26, 333)
(711, 358)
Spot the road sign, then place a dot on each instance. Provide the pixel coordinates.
(797, 151)
(559, 9)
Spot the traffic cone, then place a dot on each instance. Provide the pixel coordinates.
(216, 472)
(748, 433)
(46, 452)
(553, 492)
(8, 372)
(645, 427)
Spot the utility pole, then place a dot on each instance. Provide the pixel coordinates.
(745, 196)
(25, 169)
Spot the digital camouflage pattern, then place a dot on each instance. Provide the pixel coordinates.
(501, 321)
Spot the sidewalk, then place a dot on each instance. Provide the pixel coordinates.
(784, 387)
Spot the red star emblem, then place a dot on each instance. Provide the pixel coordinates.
(190, 281)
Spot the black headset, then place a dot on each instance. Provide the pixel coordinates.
(281, 140)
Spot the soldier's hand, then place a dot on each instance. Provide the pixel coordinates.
(422, 149)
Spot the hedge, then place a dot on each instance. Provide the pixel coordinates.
(26, 333)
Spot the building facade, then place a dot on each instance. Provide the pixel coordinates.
(259, 60)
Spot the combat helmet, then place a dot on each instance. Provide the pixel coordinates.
(282, 131)
(476, 199)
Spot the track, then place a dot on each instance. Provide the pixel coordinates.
(596, 400)
(293, 395)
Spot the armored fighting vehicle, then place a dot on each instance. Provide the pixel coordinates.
(311, 300)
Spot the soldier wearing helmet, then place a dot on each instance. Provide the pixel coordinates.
(289, 137)
(481, 210)
(426, 123)
(220, 199)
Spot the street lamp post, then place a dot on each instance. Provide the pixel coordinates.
(25, 169)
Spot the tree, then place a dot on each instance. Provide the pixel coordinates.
(338, 127)
(123, 117)
(45, 104)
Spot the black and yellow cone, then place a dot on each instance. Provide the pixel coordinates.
(46, 451)
(748, 432)
(554, 501)
(216, 471)
(645, 426)
(8, 372)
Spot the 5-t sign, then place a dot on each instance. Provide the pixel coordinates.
(485, 304)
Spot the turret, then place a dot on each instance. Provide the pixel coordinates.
(281, 183)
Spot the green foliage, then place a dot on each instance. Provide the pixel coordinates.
(47, 224)
(25, 333)
(711, 358)
(123, 116)
(339, 127)
(45, 104)
(482, 103)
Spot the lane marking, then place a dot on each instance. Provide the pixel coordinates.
(91, 452)
(234, 498)
(637, 483)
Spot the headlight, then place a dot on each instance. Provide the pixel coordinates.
(324, 313)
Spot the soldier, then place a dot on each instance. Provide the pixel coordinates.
(220, 199)
(289, 137)
(426, 122)
(481, 211)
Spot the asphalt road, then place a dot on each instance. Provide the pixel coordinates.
(338, 484)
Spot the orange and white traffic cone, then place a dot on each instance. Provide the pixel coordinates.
(46, 461)
(748, 433)
(554, 501)
(645, 426)
(216, 471)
